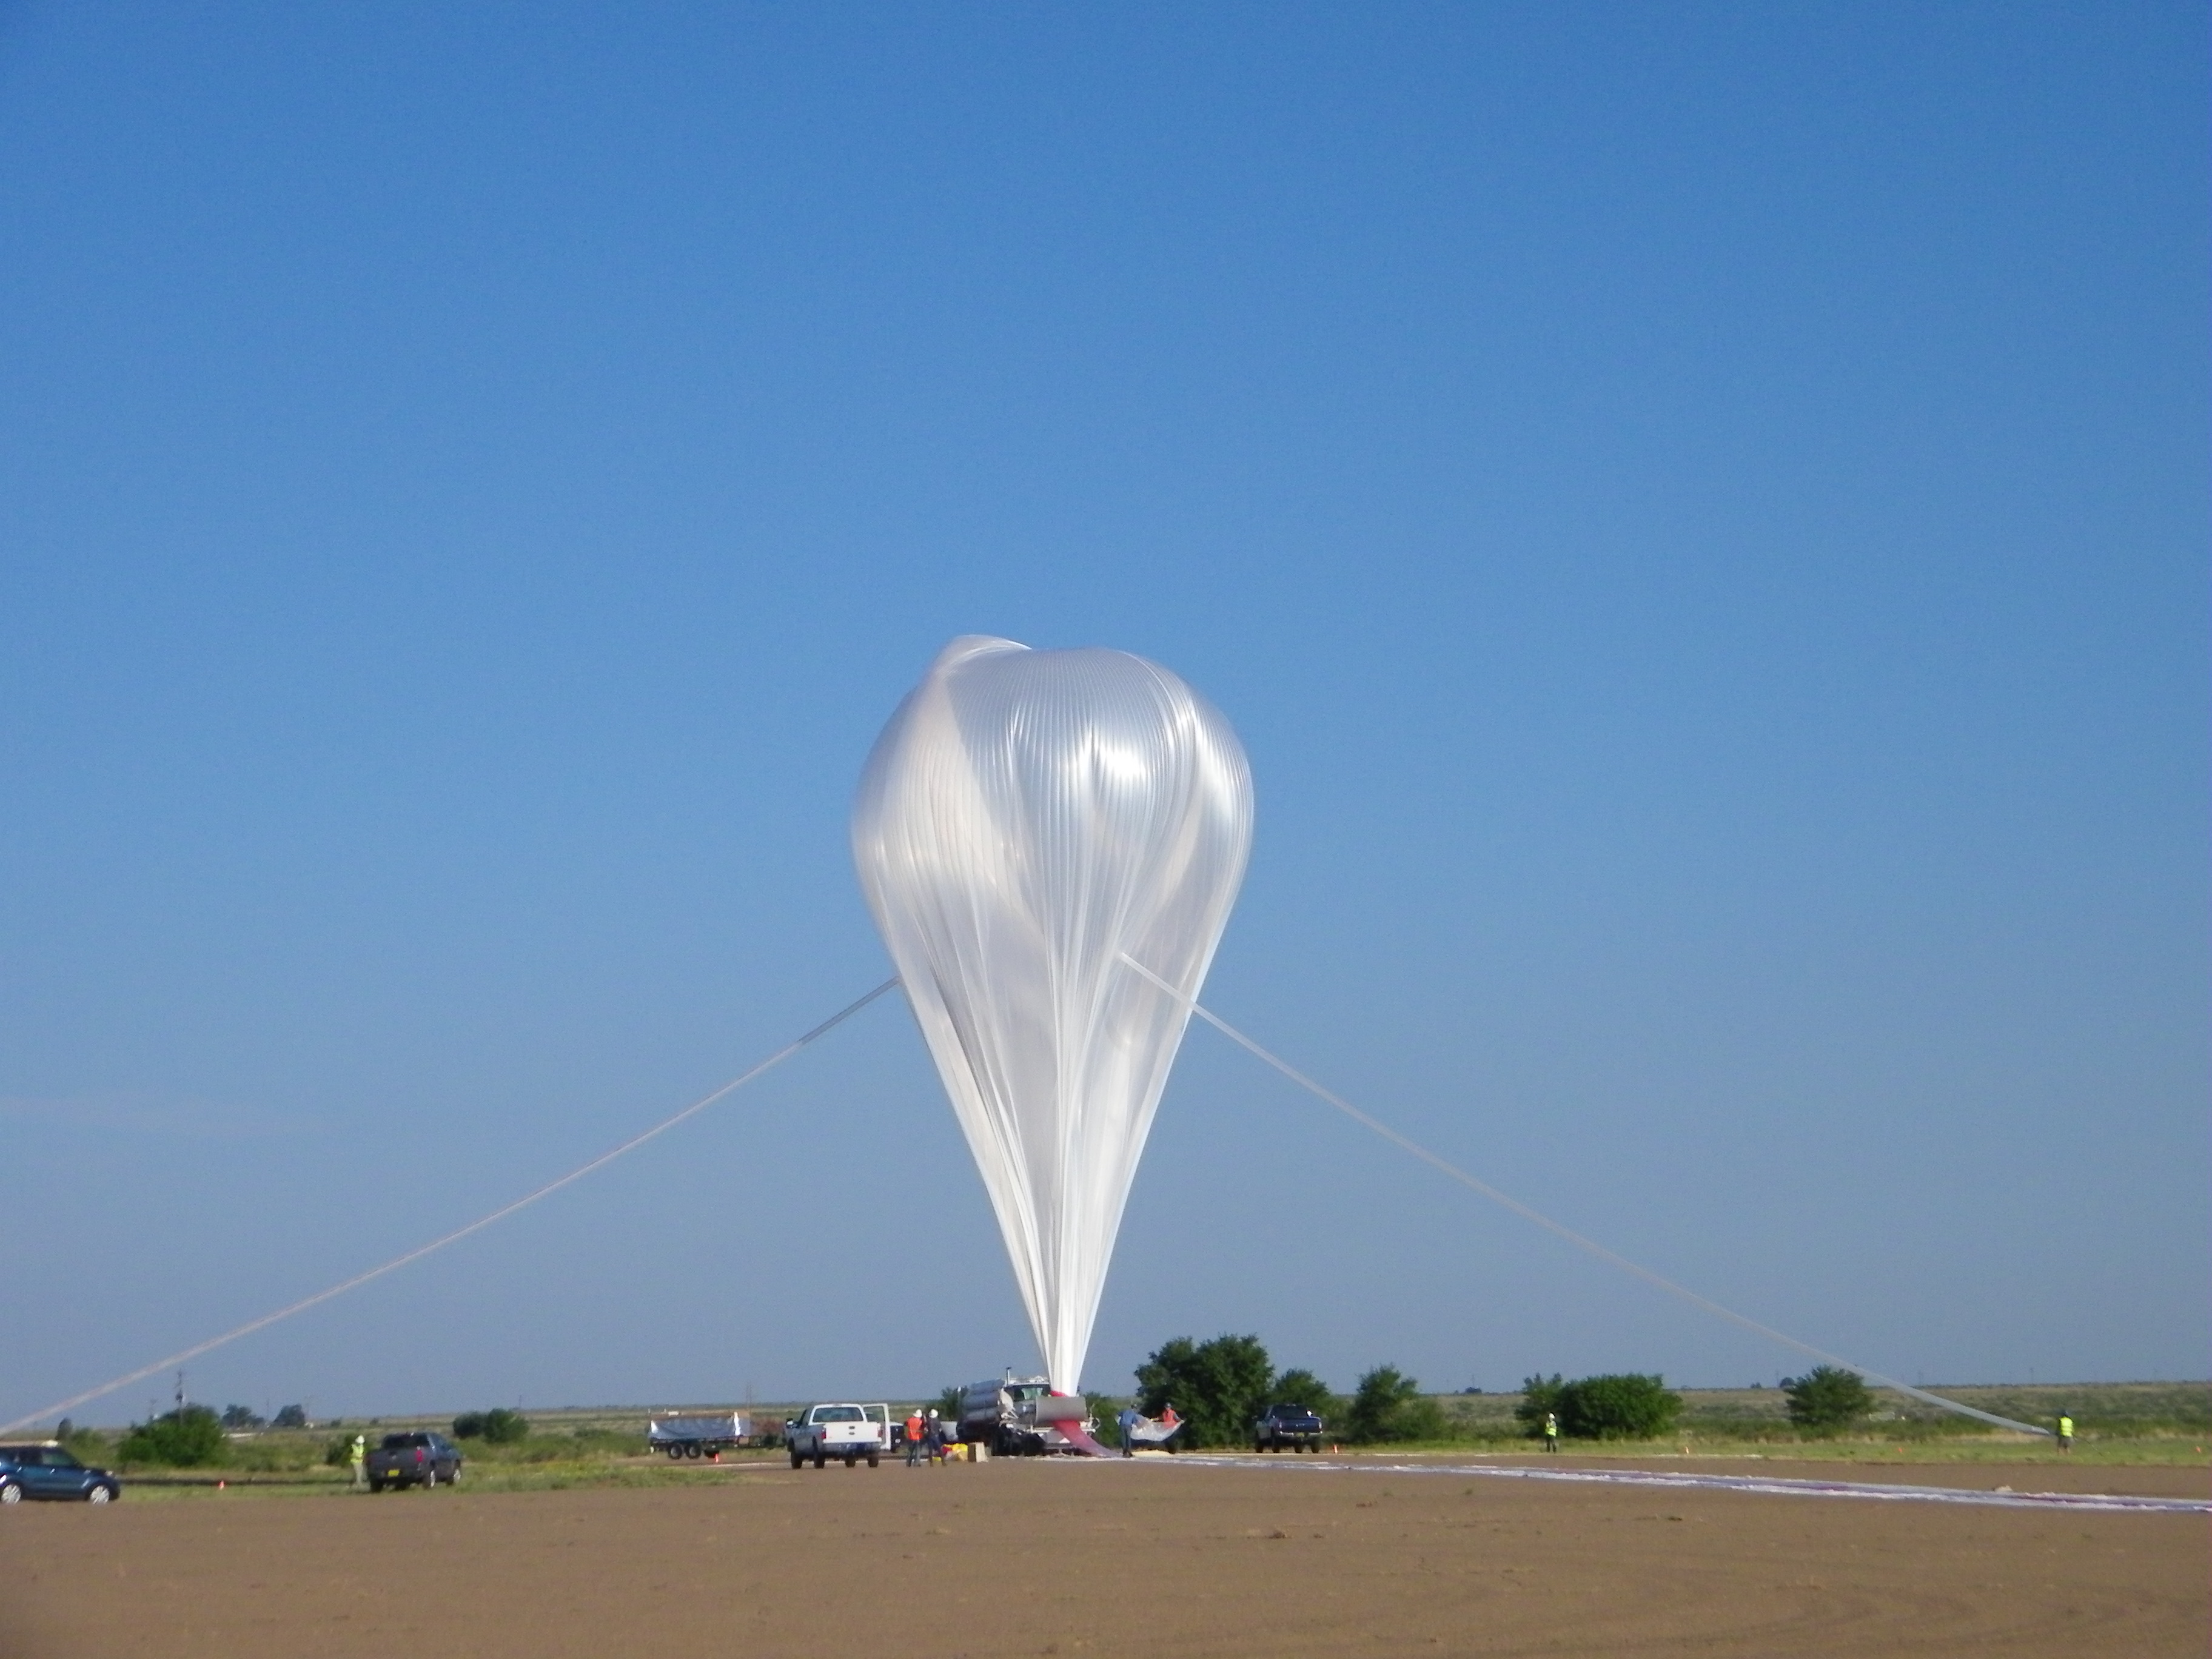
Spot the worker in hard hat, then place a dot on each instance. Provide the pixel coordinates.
(1551, 1431)
(357, 1456)
(934, 1437)
(916, 1426)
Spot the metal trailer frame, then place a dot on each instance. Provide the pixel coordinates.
(700, 1436)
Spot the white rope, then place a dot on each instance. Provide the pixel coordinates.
(1572, 1238)
(459, 1233)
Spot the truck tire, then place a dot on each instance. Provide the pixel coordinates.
(851, 1458)
(821, 1458)
(674, 1452)
(429, 1477)
(798, 1458)
(691, 1448)
(375, 1485)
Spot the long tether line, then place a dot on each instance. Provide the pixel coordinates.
(459, 1233)
(1549, 1225)
(1284, 1066)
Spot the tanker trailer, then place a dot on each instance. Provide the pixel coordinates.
(1022, 1417)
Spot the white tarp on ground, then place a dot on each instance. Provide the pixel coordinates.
(1026, 817)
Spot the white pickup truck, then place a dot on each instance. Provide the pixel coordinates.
(843, 1429)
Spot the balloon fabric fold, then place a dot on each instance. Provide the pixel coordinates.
(1026, 818)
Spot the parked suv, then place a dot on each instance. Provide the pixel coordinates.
(1287, 1425)
(419, 1459)
(50, 1471)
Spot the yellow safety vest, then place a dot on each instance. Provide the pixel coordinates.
(2066, 1427)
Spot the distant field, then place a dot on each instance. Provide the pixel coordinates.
(2113, 1421)
(2118, 1423)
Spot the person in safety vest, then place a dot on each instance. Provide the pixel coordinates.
(916, 1426)
(1551, 1431)
(2065, 1433)
(933, 1438)
(357, 1454)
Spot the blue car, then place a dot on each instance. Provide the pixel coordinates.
(50, 1471)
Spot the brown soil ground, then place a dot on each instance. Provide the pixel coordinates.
(1011, 1558)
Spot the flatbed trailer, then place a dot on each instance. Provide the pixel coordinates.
(700, 1436)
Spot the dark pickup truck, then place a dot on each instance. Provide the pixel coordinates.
(1286, 1425)
(421, 1459)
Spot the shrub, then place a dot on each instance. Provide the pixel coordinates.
(289, 1416)
(1828, 1398)
(1387, 1405)
(241, 1417)
(1218, 1387)
(1629, 1406)
(498, 1426)
(188, 1437)
(1540, 1399)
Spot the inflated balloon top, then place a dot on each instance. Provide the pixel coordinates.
(1027, 820)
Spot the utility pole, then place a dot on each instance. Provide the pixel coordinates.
(180, 1391)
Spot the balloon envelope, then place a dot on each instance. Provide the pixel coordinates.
(1025, 819)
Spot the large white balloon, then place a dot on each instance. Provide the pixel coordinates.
(1025, 819)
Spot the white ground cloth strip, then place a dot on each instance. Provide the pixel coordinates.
(1770, 1484)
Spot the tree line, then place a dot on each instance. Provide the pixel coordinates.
(1221, 1388)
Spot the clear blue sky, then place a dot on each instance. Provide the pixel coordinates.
(1697, 513)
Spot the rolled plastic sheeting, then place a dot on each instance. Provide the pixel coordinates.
(1025, 819)
(1060, 1409)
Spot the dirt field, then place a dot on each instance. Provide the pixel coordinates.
(1017, 1558)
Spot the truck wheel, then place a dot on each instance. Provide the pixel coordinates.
(851, 1458)
(797, 1460)
(429, 1477)
(675, 1452)
(821, 1458)
(872, 1458)
(691, 1450)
